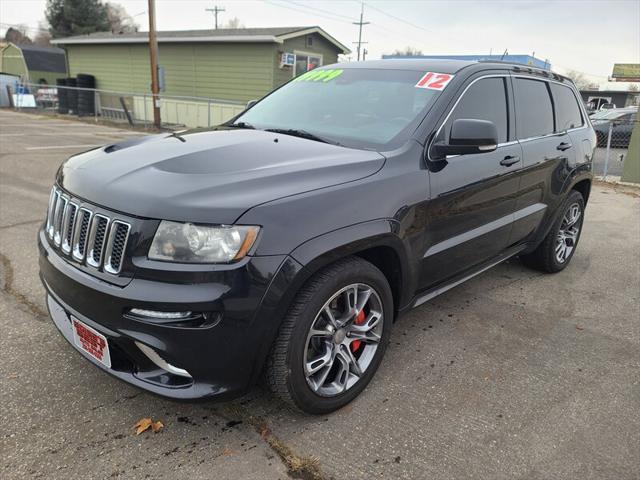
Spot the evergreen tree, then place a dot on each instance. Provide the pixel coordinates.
(76, 17)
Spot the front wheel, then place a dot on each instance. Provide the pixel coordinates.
(557, 249)
(333, 338)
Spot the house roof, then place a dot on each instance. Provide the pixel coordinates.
(44, 59)
(221, 35)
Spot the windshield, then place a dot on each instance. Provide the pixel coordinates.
(361, 108)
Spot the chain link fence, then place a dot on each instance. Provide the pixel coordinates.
(613, 138)
(134, 109)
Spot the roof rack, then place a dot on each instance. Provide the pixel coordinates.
(517, 67)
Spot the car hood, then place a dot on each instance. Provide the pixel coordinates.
(209, 176)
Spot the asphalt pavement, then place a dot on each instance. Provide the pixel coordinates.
(513, 375)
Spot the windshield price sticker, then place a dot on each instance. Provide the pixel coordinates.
(434, 81)
(319, 75)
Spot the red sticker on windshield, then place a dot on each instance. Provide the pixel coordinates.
(434, 81)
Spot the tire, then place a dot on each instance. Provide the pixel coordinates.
(548, 257)
(296, 344)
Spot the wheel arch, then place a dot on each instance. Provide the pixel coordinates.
(375, 241)
(584, 187)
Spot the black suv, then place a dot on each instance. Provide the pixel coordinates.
(284, 244)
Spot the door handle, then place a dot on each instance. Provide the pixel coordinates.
(509, 160)
(564, 146)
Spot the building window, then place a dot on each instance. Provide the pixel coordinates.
(306, 62)
(309, 41)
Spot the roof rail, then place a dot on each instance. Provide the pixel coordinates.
(517, 67)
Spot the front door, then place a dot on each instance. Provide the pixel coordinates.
(473, 197)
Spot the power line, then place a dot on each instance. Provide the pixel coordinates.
(316, 9)
(289, 7)
(399, 19)
(22, 27)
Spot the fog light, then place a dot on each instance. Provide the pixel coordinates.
(161, 362)
(139, 312)
(174, 319)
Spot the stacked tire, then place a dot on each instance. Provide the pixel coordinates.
(86, 98)
(72, 95)
(63, 100)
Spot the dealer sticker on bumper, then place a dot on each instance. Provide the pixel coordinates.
(90, 341)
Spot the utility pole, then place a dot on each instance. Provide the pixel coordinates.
(215, 10)
(360, 24)
(153, 56)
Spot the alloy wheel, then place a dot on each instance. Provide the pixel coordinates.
(343, 339)
(568, 233)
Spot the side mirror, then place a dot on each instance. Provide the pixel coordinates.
(250, 104)
(468, 135)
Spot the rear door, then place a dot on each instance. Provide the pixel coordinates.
(472, 196)
(543, 126)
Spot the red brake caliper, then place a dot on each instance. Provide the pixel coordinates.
(360, 318)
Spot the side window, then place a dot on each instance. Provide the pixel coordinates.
(534, 111)
(567, 109)
(485, 100)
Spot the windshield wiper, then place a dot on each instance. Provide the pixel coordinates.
(302, 134)
(241, 125)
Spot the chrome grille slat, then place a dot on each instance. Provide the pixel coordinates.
(87, 237)
(67, 225)
(50, 210)
(97, 236)
(116, 246)
(53, 208)
(61, 206)
(80, 234)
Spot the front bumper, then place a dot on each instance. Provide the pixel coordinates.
(223, 359)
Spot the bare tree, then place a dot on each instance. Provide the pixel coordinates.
(408, 52)
(119, 19)
(43, 38)
(234, 23)
(17, 35)
(579, 78)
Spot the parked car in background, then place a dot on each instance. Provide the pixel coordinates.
(285, 243)
(620, 121)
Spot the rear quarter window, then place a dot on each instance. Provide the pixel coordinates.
(534, 110)
(568, 114)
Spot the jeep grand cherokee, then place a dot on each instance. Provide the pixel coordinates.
(284, 243)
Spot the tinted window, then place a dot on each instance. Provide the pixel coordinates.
(567, 110)
(485, 100)
(534, 112)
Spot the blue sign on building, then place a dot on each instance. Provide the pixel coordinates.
(527, 60)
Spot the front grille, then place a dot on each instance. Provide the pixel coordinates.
(90, 238)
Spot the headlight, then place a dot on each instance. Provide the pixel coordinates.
(190, 243)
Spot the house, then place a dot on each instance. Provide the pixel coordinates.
(32, 63)
(225, 64)
(619, 98)
(528, 60)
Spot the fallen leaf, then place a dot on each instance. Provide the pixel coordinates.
(228, 451)
(142, 425)
(578, 327)
(156, 426)
(145, 424)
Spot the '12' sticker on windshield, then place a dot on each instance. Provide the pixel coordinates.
(434, 81)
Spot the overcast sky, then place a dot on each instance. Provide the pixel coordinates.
(584, 35)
